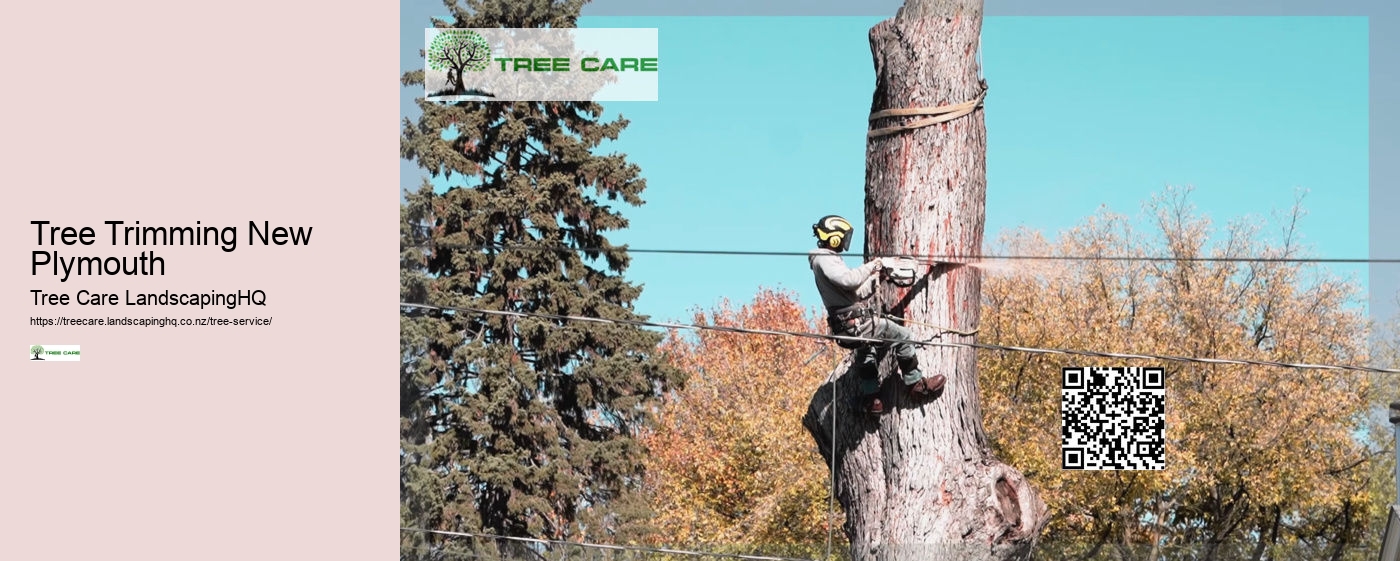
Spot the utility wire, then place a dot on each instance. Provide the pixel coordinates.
(927, 343)
(947, 259)
(605, 546)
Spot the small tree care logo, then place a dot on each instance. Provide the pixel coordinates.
(54, 353)
(473, 65)
(456, 52)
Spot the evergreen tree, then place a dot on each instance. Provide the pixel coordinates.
(516, 425)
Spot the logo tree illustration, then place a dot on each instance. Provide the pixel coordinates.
(458, 51)
(35, 350)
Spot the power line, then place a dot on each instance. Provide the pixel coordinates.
(605, 546)
(925, 258)
(927, 343)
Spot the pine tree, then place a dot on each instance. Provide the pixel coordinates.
(519, 426)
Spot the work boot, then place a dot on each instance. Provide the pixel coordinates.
(921, 387)
(869, 400)
(871, 405)
(928, 387)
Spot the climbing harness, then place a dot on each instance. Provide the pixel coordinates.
(856, 320)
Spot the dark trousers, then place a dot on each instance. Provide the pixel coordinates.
(868, 356)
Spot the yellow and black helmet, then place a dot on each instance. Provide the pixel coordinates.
(833, 232)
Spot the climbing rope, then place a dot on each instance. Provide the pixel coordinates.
(831, 481)
(941, 114)
(939, 328)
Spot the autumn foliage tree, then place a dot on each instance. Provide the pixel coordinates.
(730, 466)
(1262, 462)
(1385, 354)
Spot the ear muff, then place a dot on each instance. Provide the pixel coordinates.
(832, 231)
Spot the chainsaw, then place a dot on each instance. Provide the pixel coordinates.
(901, 271)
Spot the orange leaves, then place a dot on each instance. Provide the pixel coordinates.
(729, 460)
(1273, 435)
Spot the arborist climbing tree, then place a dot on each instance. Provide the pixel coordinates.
(847, 294)
(920, 482)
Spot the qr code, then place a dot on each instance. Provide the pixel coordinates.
(1113, 418)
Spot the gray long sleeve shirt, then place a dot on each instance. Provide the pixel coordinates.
(839, 285)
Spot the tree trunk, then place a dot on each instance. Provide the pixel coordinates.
(454, 79)
(919, 482)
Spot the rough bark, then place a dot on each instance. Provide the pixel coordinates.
(920, 481)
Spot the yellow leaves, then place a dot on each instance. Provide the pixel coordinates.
(1276, 434)
(729, 460)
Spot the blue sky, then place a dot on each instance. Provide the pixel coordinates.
(760, 130)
